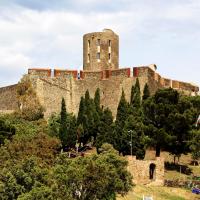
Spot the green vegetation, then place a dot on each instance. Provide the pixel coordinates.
(42, 174)
(146, 92)
(159, 193)
(35, 154)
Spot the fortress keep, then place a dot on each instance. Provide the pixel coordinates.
(100, 70)
(101, 51)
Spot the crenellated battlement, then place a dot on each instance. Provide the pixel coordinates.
(40, 72)
(141, 71)
(65, 73)
(83, 74)
(163, 82)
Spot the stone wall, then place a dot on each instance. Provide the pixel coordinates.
(142, 172)
(125, 72)
(91, 74)
(8, 99)
(155, 81)
(51, 90)
(66, 73)
(51, 87)
(39, 72)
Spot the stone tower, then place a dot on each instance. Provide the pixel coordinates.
(100, 51)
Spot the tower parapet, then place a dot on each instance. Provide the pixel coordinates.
(101, 51)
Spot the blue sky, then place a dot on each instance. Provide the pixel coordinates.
(48, 33)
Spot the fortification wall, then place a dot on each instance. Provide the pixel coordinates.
(51, 87)
(50, 90)
(67, 84)
(65, 73)
(110, 90)
(40, 72)
(140, 170)
(155, 81)
(8, 99)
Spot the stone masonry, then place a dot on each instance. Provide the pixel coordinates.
(147, 171)
(100, 50)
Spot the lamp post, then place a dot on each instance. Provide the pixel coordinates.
(131, 144)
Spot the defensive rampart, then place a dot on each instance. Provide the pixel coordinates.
(8, 99)
(156, 81)
(72, 84)
(52, 85)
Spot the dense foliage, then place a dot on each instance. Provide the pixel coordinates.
(34, 154)
(93, 177)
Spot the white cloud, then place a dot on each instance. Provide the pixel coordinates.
(10, 58)
(53, 37)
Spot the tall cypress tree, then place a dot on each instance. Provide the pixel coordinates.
(87, 117)
(87, 98)
(146, 92)
(63, 124)
(82, 120)
(71, 135)
(105, 129)
(122, 114)
(81, 111)
(135, 95)
(97, 101)
(122, 110)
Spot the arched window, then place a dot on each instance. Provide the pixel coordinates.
(152, 168)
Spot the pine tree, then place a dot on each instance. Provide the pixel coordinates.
(146, 92)
(63, 125)
(167, 126)
(133, 134)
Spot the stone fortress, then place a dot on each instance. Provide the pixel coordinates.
(100, 70)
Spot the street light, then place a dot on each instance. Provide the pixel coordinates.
(131, 131)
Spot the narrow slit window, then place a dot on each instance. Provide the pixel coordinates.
(88, 44)
(109, 57)
(88, 57)
(98, 42)
(98, 56)
(109, 43)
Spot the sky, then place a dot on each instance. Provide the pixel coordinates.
(48, 34)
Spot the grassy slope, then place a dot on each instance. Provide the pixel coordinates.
(159, 193)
